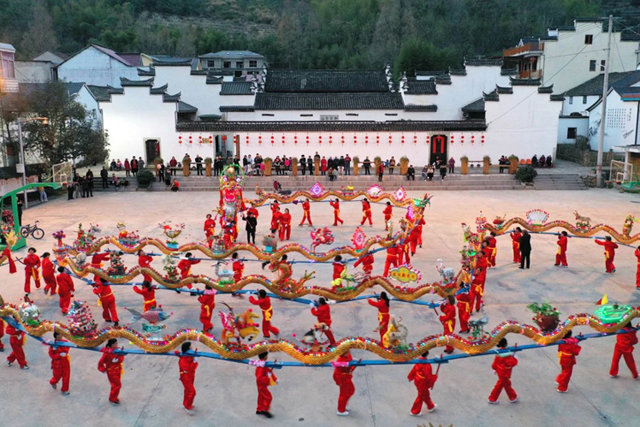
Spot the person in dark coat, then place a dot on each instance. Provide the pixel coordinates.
(525, 248)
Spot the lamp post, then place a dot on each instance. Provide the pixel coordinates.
(45, 121)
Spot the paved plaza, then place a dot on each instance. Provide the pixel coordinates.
(152, 394)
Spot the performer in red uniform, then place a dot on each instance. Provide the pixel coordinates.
(275, 207)
(493, 244)
(148, 292)
(60, 364)
(16, 341)
(238, 267)
(338, 267)
(31, 264)
(414, 239)
(624, 348)
(561, 256)
(306, 216)
(403, 253)
(48, 274)
(567, 353)
(343, 377)
(387, 212)
(503, 365)
(481, 267)
(335, 204)
(391, 261)
(108, 301)
(188, 365)
(65, 290)
(144, 261)
(637, 254)
(382, 304)
(515, 243)
(448, 319)
(366, 212)
(276, 219)
(323, 313)
(111, 364)
(209, 229)
(185, 266)
(253, 211)
(367, 264)
(96, 262)
(419, 226)
(488, 252)
(264, 379)
(464, 310)
(424, 379)
(1, 335)
(207, 304)
(609, 253)
(285, 225)
(267, 313)
(476, 291)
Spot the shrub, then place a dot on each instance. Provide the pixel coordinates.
(145, 177)
(356, 160)
(208, 160)
(526, 174)
(514, 157)
(464, 159)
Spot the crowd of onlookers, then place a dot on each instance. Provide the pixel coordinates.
(130, 167)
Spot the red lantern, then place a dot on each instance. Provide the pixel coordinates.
(402, 139)
(355, 139)
(260, 139)
(224, 137)
(307, 139)
(415, 139)
(211, 139)
(452, 137)
(180, 139)
(428, 138)
(482, 139)
(190, 139)
(200, 139)
(473, 138)
(461, 139)
(295, 139)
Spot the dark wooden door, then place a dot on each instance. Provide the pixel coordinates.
(438, 149)
(152, 149)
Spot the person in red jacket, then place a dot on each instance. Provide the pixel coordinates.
(264, 379)
(97, 261)
(493, 244)
(1, 335)
(276, 220)
(335, 204)
(343, 377)
(388, 213)
(391, 260)
(306, 216)
(625, 341)
(414, 238)
(108, 301)
(285, 225)
(60, 364)
(238, 267)
(148, 292)
(253, 210)
(637, 254)
(567, 352)
(267, 313)
(515, 243)
(65, 289)
(464, 310)
(111, 364)
(424, 379)
(502, 365)
(185, 266)
(382, 304)
(323, 314)
(366, 212)
(481, 266)
(476, 291)
(188, 365)
(275, 207)
(488, 252)
(144, 261)
(609, 253)
(448, 319)
(48, 274)
(367, 264)
(561, 256)
(338, 267)
(16, 341)
(31, 264)
(209, 229)
(420, 226)
(207, 304)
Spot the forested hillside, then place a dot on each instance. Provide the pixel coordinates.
(348, 34)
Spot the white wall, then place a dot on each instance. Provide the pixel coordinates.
(577, 105)
(580, 123)
(565, 74)
(620, 128)
(34, 71)
(303, 115)
(95, 68)
(90, 104)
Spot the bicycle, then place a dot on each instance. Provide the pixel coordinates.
(35, 231)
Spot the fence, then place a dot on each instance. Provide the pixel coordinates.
(584, 157)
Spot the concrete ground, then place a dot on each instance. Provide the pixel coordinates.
(152, 394)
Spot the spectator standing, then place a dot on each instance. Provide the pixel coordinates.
(140, 164)
(134, 166)
(392, 165)
(43, 194)
(105, 177)
(323, 166)
(347, 165)
(316, 156)
(411, 173)
(84, 184)
(127, 167)
(341, 165)
(76, 185)
(173, 163)
(443, 170)
(303, 164)
(525, 249)
(162, 170)
(380, 171)
(198, 165)
(277, 165)
(452, 165)
(287, 164)
(245, 164)
(367, 166)
(310, 165)
(90, 182)
(534, 161)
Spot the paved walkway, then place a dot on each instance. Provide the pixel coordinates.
(152, 393)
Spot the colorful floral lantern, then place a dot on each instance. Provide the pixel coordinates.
(316, 189)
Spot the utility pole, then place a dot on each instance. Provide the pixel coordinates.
(605, 91)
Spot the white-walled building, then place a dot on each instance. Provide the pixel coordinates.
(8, 80)
(98, 65)
(569, 56)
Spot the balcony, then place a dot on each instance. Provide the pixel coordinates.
(529, 74)
(529, 48)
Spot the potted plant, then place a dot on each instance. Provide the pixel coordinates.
(526, 175)
(547, 316)
(267, 166)
(207, 165)
(186, 165)
(294, 166)
(316, 167)
(464, 165)
(356, 162)
(404, 165)
(486, 165)
(513, 164)
(376, 161)
(145, 178)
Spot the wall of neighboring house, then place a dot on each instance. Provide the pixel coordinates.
(34, 71)
(94, 67)
(568, 126)
(566, 69)
(578, 104)
(620, 127)
(85, 98)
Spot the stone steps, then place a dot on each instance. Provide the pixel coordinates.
(567, 182)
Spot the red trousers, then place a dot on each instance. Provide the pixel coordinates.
(464, 318)
(267, 328)
(28, 273)
(608, 264)
(503, 383)
(61, 371)
(638, 276)
(564, 377)
(1, 334)
(475, 296)
(336, 218)
(347, 389)
(205, 319)
(516, 254)
(189, 390)
(412, 245)
(628, 358)
(116, 384)
(448, 330)
(264, 399)
(148, 278)
(561, 258)
(109, 310)
(50, 283)
(423, 397)
(17, 352)
(65, 301)
(386, 222)
(366, 216)
(329, 334)
(285, 232)
(306, 216)
(384, 325)
(389, 262)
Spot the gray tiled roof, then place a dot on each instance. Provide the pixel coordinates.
(236, 88)
(421, 108)
(524, 82)
(183, 107)
(457, 72)
(475, 107)
(237, 108)
(322, 126)
(126, 82)
(421, 87)
(328, 101)
(508, 71)
(478, 62)
(159, 90)
(593, 87)
(546, 89)
(491, 96)
(171, 98)
(142, 72)
(504, 90)
(232, 54)
(326, 81)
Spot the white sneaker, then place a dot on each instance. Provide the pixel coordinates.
(434, 408)
(415, 415)
(561, 391)
(514, 400)
(189, 411)
(8, 363)
(612, 376)
(492, 402)
(343, 414)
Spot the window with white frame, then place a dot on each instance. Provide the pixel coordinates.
(7, 69)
